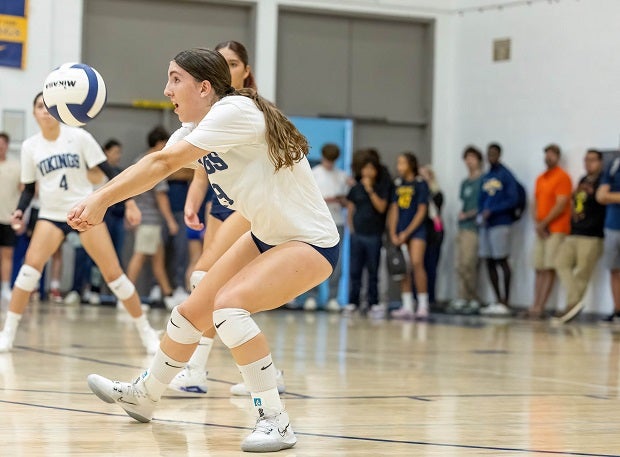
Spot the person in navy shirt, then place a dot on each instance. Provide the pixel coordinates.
(407, 226)
(367, 205)
(498, 197)
(608, 194)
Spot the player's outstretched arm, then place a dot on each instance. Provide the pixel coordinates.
(135, 180)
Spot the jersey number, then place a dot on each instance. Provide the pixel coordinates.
(224, 199)
(213, 162)
(63, 182)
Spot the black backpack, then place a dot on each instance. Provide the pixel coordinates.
(519, 208)
(396, 264)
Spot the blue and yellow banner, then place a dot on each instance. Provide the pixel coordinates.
(13, 32)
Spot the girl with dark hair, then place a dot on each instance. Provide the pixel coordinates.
(407, 226)
(367, 204)
(257, 165)
(224, 226)
(238, 63)
(58, 159)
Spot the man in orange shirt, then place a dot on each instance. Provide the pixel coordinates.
(552, 221)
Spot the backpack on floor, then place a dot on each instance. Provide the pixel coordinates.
(396, 264)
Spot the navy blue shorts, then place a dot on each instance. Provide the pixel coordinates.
(66, 228)
(194, 234)
(219, 211)
(7, 236)
(419, 233)
(331, 254)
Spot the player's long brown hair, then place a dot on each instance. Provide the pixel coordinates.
(285, 143)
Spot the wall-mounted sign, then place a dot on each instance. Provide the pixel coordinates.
(13, 32)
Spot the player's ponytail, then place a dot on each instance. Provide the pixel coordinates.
(285, 143)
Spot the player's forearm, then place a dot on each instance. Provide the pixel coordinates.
(134, 180)
(197, 190)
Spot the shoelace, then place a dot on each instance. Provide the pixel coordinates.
(265, 424)
(129, 389)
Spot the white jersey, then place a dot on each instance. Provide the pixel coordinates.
(60, 168)
(178, 135)
(281, 206)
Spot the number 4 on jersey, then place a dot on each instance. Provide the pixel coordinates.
(63, 182)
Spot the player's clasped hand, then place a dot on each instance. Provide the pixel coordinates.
(86, 214)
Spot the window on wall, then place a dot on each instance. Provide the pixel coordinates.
(376, 71)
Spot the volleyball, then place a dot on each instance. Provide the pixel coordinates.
(74, 93)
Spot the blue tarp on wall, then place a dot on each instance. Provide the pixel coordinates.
(320, 131)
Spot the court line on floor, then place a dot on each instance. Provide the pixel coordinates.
(302, 396)
(427, 398)
(327, 435)
(125, 365)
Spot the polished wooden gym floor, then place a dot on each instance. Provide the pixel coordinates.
(355, 387)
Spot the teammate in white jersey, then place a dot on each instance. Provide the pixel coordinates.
(224, 226)
(59, 159)
(256, 163)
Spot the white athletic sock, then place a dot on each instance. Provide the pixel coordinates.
(260, 379)
(54, 284)
(407, 299)
(423, 303)
(200, 356)
(11, 323)
(163, 369)
(195, 278)
(268, 402)
(6, 285)
(142, 323)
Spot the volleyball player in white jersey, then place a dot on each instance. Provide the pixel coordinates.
(59, 159)
(256, 163)
(224, 227)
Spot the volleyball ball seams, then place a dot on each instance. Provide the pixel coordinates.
(74, 93)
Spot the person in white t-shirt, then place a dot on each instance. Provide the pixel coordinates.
(9, 195)
(59, 159)
(332, 183)
(256, 162)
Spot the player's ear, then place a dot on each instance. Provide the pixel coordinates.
(205, 88)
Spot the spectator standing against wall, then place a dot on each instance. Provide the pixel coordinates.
(367, 206)
(552, 213)
(434, 230)
(609, 194)
(582, 249)
(498, 198)
(467, 236)
(155, 208)
(332, 183)
(115, 215)
(406, 222)
(9, 195)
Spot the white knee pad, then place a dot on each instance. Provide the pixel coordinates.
(195, 278)
(181, 330)
(122, 287)
(27, 278)
(234, 326)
